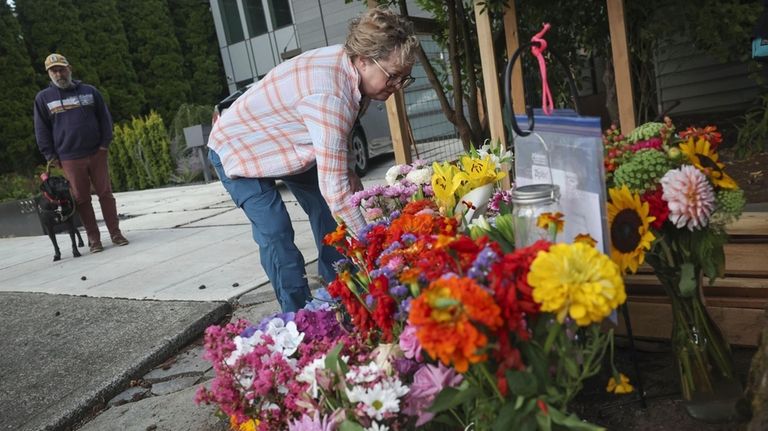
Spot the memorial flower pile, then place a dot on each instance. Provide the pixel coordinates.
(427, 326)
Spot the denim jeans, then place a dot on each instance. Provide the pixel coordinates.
(271, 225)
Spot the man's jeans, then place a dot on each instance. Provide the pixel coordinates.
(260, 199)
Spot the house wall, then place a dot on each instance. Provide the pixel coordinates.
(701, 83)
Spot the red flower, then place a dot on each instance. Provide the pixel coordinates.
(709, 133)
(657, 207)
(384, 306)
(361, 318)
(509, 280)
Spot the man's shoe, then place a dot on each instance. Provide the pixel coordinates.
(119, 239)
(96, 247)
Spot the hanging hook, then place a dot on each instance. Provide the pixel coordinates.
(528, 108)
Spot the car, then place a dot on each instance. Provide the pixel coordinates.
(370, 135)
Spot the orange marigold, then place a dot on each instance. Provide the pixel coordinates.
(336, 236)
(415, 207)
(449, 316)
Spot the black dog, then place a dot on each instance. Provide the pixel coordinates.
(56, 207)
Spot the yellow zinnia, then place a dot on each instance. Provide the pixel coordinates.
(703, 157)
(629, 224)
(578, 281)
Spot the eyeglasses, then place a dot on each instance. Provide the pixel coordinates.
(394, 81)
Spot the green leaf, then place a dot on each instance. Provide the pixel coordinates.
(571, 367)
(687, 284)
(571, 422)
(332, 359)
(348, 425)
(504, 223)
(449, 398)
(516, 416)
(544, 421)
(522, 383)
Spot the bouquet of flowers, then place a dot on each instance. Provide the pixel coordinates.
(432, 328)
(670, 199)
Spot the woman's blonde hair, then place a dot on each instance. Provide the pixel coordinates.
(379, 33)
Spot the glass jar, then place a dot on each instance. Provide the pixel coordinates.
(528, 203)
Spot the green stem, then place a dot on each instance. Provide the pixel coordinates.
(715, 343)
(487, 375)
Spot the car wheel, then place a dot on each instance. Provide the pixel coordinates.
(360, 151)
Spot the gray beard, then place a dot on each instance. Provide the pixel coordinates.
(64, 86)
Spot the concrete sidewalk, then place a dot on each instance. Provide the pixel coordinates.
(77, 331)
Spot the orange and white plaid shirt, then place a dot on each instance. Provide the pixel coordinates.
(299, 114)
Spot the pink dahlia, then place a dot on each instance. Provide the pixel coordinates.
(690, 196)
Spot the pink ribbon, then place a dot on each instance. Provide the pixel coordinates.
(538, 47)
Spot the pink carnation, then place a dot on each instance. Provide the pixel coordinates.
(690, 196)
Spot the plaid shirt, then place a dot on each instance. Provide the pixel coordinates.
(300, 114)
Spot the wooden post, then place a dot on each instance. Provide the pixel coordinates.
(398, 125)
(621, 69)
(490, 80)
(513, 42)
(490, 75)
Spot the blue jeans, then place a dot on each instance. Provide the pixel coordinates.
(271, 225)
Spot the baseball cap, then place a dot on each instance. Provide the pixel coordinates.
(55, 60)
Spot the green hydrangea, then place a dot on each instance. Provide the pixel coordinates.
(730, 203)
(645, 131)
(642, 171)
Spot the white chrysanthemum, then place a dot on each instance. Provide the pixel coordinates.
(380, 399)
(364, 373)
(394, 174)
(690, 196)
(375, 426)
(309, 374)
(420, 176)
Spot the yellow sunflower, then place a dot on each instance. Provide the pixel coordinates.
(705, 158)
(630, 228)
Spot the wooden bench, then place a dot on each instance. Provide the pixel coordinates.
(737, 302)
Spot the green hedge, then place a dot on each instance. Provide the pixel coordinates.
(141, 155)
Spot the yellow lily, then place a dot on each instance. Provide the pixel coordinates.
(481, 171)
(443, 184)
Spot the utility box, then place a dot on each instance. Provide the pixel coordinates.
(197, 138)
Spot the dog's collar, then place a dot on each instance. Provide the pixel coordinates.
(50, 198)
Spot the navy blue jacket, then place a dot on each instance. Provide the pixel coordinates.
(73, 123)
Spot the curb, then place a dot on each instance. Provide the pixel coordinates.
(166, 349)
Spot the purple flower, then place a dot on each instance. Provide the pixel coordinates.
(409, 343)
(285, 317)
(318, 324)
(428, 381)
(315, 422)
(405, 366)
(482, 263)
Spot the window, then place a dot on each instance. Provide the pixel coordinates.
(281, 13)
(230, 18)
(254, 16)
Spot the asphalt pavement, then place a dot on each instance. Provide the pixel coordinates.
(111, 340)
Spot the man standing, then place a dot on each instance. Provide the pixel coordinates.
(73, 128)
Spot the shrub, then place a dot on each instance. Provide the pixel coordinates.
(141, 157)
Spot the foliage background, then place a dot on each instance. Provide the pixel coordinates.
(142, 55)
